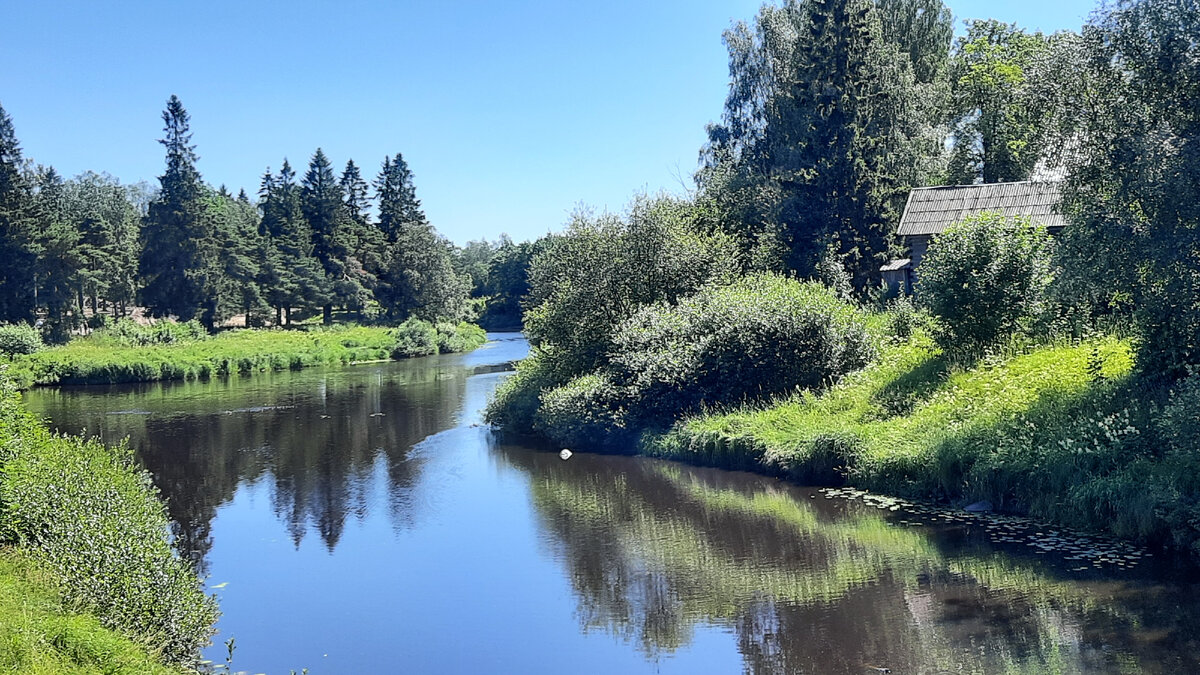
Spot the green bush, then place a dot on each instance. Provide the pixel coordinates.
(983, 277)
(463, 337)
(762, 336)
(20, 338)
(129, 333)
(757, 338)
(414, 338)
(515, 404)
(588, 411)
(1179, 422)
(94, 518)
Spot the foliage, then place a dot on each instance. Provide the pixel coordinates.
(584, 283)
(92, 516)
(41, 635)
(983, 277)
(826, 126)
(998, 125)
(760, 337)
(1179, 422)
(174, 352)
(129, 333)
(1133, 194)
(20, 338)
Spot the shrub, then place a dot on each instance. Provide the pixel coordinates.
(515, 404)
(983, 278)
(759, 337)
(1179, 422)
(414, 338)
(19, 338)
(129, 333)
(93, 516)
(590, 279)
(588, 411)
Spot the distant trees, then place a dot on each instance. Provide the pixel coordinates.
(74, 250)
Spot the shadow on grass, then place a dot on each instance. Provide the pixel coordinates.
(901, 395)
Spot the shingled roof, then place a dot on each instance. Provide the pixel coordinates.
(931, 209)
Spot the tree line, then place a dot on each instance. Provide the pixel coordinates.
(80, 250)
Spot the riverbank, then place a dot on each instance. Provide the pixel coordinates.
(85, 539)
(1066, 433)
(128, 353)
(39, 635)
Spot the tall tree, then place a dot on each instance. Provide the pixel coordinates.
(291, 275)
(366, 242)
(1133, 196)
(418, 277)
(177, 246)
(58, 257)
(997, 127)
(321, 203)
(825, 128)
(17, 256)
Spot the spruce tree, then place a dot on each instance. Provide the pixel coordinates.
(292, 276)
(176, 246)
(321, 203)
(17, 257)
(418, 277)
(365, 241)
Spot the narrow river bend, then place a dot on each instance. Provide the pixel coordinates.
(363, 520)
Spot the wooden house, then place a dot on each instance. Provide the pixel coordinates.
(930, 210)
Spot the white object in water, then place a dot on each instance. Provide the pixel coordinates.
(565, 454)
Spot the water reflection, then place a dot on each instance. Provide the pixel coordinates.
(315, 436)
(360, 520)
(813, 585)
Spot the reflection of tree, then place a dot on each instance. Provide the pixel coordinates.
(317, 436)
(656, 549)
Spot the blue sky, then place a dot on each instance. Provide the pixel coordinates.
(509, 113)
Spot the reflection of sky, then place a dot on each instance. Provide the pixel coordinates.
(410, 541)
(467, 588)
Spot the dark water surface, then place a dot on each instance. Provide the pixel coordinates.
(361, 520)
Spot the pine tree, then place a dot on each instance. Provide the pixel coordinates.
(321, 203)
(17, 286)
(177, 248)
(366, 242)
(418, 277)
(292, 277)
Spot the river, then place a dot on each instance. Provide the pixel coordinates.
(364, 520)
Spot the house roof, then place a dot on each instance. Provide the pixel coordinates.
(931, 209)
(896, 265)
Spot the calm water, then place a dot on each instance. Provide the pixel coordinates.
(362, 520)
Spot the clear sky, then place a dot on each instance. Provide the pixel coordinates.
(509, 113)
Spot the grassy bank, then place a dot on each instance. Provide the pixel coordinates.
(88, 517)
(128, 353)
(40, 635)
(1066, 433)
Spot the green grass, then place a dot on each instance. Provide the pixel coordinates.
(103, 358)
(91, 517)
(39, 634)
(1064, 432)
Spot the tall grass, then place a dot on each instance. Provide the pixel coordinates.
(41, 635)
(113, 356)
(90, 516)
(1065, 432)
